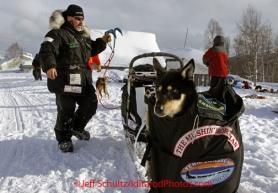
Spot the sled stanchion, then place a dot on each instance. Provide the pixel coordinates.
(147, 133)
(128, 95)
(154, 54)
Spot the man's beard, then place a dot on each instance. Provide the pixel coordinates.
(79, 28)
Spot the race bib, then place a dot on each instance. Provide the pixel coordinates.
(75, 79)
(73, 89)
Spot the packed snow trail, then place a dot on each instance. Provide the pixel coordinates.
(30, 160)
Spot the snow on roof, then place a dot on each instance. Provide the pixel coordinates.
(188, 54)
(26, 57)
(4, 61)
(132, 44)
(127, 46)
(26, 62)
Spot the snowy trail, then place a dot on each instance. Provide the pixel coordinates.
(30, 160)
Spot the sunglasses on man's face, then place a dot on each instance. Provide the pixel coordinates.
(79, 18)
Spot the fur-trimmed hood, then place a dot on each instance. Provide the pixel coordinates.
(57, 19)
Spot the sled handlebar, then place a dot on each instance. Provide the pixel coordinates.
(153, 54)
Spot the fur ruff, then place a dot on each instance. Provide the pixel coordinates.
(56, 20)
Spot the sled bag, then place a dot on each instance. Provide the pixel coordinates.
(201, 152)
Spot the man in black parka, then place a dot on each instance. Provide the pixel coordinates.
(64, 54)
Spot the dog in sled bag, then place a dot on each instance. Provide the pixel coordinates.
(194, 140)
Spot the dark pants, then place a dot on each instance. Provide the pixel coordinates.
(68, 118)
(216, 83)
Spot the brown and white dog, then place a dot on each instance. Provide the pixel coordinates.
(258, 88)
(101, 86)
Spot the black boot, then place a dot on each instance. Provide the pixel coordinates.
(81, 135)
(79, 123)
(64, 140)
(66, 146)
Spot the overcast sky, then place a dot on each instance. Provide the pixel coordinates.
(26, 21)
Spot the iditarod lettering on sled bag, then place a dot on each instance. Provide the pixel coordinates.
(208, 130)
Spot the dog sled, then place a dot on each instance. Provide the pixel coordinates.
(201, 151)
(133, 108)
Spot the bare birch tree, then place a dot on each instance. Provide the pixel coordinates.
(249, 32)
(14, 52)
(266, 50)
(227, 44)
(274, 68)
(213, 29)
(256, 48)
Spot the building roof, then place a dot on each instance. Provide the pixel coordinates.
(127, 46)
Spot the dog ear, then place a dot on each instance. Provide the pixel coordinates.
(158, 68)
(188, 70)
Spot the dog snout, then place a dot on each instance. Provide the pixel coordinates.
(159, 109)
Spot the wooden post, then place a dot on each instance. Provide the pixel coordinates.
(205, 80)
(196, 79)
(185, 37)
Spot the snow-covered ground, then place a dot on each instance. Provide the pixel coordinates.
(30, 160)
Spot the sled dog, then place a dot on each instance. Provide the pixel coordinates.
(101, 86)
(265, 90)
(231, 82)
(258, 88)
(175, 92)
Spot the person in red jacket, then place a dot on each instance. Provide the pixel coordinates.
(246, 85)
(216, 58)
(94, 60)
